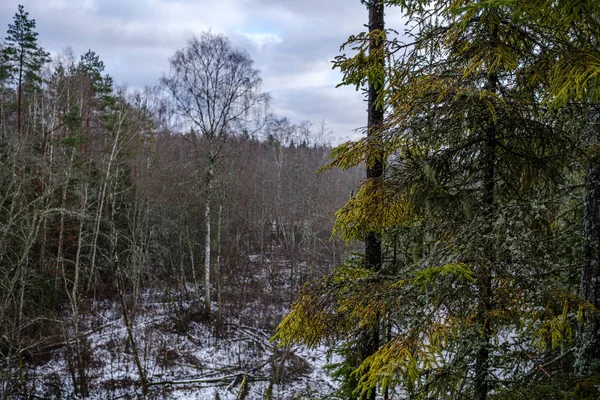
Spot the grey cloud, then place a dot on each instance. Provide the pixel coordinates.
(135, 38)
(336, 8)
(342, 108)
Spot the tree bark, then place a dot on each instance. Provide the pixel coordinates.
(369, 341)
(588, 351)
(82, 384)
(484, 275)
(219, 324)
(375, 122)
(19, 103)
(209, 190)
(130, 335)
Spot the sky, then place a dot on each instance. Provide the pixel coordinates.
(292, 43)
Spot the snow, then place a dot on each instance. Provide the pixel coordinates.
(181, 357)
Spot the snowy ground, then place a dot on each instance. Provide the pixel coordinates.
(181, 358)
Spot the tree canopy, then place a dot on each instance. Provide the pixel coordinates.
(489, 263)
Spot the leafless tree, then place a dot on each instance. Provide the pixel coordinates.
(216, 90)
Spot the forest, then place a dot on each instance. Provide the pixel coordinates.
(183, 241)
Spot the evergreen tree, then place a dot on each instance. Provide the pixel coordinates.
(22, 59)
(568, 70)
(475, 194)
(91, 65)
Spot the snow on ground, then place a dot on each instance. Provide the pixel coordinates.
(181, 358)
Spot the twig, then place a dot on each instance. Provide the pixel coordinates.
(540, 367)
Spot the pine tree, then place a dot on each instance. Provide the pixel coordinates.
(22, 59)
(91, 65)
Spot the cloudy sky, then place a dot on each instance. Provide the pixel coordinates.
(291, 41)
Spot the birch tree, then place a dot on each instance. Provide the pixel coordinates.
(216, 91)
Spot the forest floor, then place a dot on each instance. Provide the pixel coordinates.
(181, 357)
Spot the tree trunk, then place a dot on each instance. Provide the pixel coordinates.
(19, 107)
(375, 122)
(98, 220)
(60, 262)
(192, 261)
(588, 352)
(209, 189)
(130, 335)
(81, 387)
(484, 275)
(182, 275)
(219, 325)
(369, 341)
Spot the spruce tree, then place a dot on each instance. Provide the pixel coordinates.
(568, 71)
(472, 192)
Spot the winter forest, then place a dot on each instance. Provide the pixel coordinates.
(183, 241)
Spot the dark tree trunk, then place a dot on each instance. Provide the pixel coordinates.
(375, 122)
(589, 333)
(20, 95)
(19, 101)
(370, 335)
(484, 276)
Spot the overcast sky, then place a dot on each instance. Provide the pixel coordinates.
(292, 42)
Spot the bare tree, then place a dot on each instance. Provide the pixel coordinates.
(216, 90)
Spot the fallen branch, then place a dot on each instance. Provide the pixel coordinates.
(221, 379)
